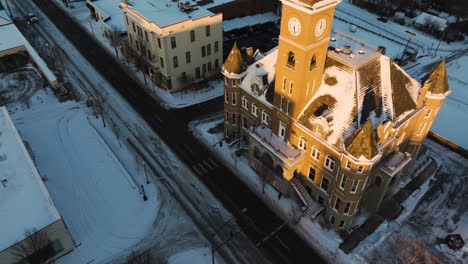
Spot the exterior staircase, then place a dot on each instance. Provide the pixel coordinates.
(312, 208)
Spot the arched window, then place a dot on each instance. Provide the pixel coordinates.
(313, 62)
(291, 59)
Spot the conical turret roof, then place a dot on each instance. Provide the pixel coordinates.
(438, 78)
(362, 142)
(234, 63)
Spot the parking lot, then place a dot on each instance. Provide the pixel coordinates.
(262, 37)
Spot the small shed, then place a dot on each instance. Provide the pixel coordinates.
(430, 21)
(455, 241)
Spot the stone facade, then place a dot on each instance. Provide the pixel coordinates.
(344, 150)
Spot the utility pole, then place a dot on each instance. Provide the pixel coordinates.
(146, 174)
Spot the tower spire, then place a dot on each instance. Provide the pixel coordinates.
(234, 63)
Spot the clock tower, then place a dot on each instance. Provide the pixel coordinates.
(303, 45)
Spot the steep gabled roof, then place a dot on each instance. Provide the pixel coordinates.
(234, 63)
(438, 78)
(362, 142)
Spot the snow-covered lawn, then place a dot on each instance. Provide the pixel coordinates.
(181, 99)
(94, 192)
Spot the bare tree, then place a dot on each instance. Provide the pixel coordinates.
(144, 257)
(409, 251)
(32, 249)
(115, 40)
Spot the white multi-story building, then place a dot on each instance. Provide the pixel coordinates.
(181, 43)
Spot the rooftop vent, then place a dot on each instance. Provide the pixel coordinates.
(187, 8)
(3, 157)
(347, 44)
(361, 51)
(333, 39)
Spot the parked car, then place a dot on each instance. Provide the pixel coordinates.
(383, 19)
(352, 28)
(32, 18)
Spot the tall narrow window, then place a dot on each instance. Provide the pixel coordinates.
(226, 96)
(192, 35)
(208, 31)
(162, 62)
(234, 98)
(282, 103)
(245, 103)
(146, 35)
(203, 51)
(347, 206)
(282, 130)
(343, 181)
(324, 184)
(284, 83)
(216, 63)
(289, 108)
(313, 62)
(354, 186)
(311, 173)
(291, 60)
(290, 87)
(159, 42)
(208, 49)
(175, 61)
(254, 110)
(197, 73)
(133, 25)
(315, 152)
(337, 203)
(126, 18)
(302, 143)
(245, 122)
(216, 46)
(188, 59)
(173, 42)
(265, 117)
(209, 66)
(234, 119)
(227, 117)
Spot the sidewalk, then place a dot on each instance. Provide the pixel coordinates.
(390, 209)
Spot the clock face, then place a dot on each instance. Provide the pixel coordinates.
(320, 27)
(294, 26)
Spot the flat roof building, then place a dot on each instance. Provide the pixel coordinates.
(26, 209)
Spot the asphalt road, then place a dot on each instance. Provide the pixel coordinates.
(171, 125)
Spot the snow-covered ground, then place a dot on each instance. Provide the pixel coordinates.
(442, 210)
(323, 240)
(181, 99)
(449, 122)
(97, 196)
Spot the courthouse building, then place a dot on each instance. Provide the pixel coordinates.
(329, 119)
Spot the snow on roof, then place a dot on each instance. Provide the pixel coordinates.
(249, 21)
(396, 162)
(266, 65)
(428, 20)
(113, 10)
(213, 3)
(11, 37)
(350, 49)
(276, 142)
(166, 12)
(24, 200)
(4, 19)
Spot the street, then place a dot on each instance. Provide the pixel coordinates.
(259, 221)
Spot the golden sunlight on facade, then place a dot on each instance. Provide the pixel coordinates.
(330, 121)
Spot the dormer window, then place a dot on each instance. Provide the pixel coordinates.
(291, 60)
(313, 63)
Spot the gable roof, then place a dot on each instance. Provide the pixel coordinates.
(234, 62)
(362, 142)
(438, 78)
